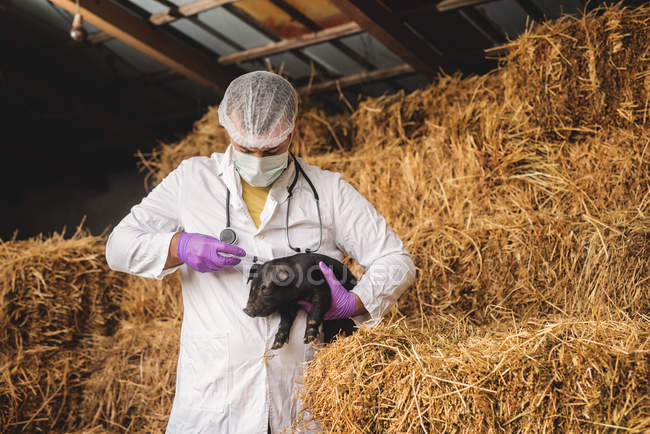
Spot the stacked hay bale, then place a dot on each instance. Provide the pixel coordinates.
(523, 197)
(524, 200)
(559, 375)
(130, 386)
(56, 293)
(84, 347)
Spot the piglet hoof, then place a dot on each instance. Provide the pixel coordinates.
(310, 334)
(280, 340)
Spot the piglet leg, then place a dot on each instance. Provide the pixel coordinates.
(315, 316)
(287, 315)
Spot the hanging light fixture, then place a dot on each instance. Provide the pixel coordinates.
(77, 32)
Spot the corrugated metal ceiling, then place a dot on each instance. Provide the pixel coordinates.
(247, 24)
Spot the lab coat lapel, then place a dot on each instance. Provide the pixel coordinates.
(231, 178)
(279, 188)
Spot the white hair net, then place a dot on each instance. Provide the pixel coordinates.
(259, 109)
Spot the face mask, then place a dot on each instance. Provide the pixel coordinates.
(260, 171)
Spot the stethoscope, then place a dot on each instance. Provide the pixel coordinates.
(228, 234)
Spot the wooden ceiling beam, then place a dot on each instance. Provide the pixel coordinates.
(245, 17)
(170, 15)
(291, 44)
(152, 41)
(300, 17)
(360, 78)
(187, 10)
(384, 26)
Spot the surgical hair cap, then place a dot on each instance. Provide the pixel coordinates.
(259, 109)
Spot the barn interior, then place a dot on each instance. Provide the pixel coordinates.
(76, 112)
(506, 143)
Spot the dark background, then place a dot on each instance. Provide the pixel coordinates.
(71, 119)
(73, 115)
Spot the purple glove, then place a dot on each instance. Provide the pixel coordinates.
(201, 252)
(343, 302)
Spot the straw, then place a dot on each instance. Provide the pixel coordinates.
(558, 375)
(523, 197)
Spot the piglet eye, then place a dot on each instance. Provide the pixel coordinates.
(282, 275)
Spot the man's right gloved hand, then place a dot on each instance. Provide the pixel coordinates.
(201, 252)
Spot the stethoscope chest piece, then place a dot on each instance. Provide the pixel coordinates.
(228, 235)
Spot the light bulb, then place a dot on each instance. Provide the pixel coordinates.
(77, 32)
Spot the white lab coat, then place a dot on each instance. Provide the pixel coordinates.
(228, 380)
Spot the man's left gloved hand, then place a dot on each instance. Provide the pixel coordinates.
(343, 301)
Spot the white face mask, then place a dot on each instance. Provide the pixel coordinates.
(260, 171)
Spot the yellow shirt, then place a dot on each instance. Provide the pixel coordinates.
(255, 198)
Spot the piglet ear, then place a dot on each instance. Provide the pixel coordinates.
(253, 273)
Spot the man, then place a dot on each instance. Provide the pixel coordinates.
(228, 379)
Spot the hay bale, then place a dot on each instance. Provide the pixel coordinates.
(560, 375)
(54, 294)
(133, 372)
(86, 348)
(131, 386)
(583, 73)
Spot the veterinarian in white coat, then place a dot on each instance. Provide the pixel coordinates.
(228, 380)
